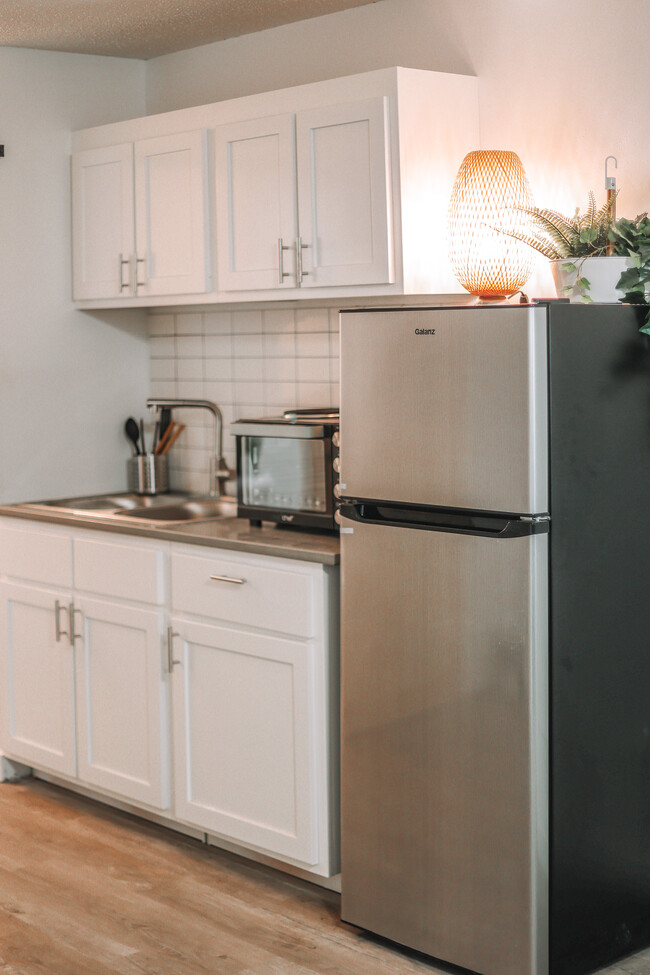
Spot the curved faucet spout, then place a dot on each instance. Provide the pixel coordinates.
(219, 471)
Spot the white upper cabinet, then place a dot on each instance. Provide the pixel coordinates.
(170, 214)
(256, 203)
(344, 195)
(102, 221)
(326, 166)
(336, 189)
(139, 218)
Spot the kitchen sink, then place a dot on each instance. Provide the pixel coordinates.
(190, 510)
(158, 508)
(110, 502)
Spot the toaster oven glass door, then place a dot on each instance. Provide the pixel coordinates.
(284, 473)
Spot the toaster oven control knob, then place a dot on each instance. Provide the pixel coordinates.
(337, 516)
(337, 490)
(336, 439)
(336, 464)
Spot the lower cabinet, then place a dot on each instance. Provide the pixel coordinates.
(122, 701)
(244, 716)
(38, 680)
(88, 702)
(201, 684)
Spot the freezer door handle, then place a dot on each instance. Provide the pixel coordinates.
(438, 520)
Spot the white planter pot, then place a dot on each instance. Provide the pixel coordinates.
(603, 274)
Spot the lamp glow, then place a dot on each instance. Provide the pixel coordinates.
(490, 191)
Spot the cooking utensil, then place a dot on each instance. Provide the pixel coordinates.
(132, 431)
(173, 438)
(164, 438)
(144, 449)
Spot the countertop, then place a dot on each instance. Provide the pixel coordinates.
(231, 533)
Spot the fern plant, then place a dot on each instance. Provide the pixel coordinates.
(571, 239)
(558, 237)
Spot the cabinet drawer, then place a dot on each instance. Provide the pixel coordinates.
(36, 556)
(121, 571)
(240, 592)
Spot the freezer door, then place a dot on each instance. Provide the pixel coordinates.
(444, 744)
(445, 407)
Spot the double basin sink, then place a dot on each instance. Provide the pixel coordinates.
(157, 509)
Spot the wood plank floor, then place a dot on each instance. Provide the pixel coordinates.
(87, 890)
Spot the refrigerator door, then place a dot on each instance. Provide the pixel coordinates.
(444, 743)
(445, 407)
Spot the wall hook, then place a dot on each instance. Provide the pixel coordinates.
(610, 181)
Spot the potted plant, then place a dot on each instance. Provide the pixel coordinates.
(577, 248)
(631, 239)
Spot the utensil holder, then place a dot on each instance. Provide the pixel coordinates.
(147, 474)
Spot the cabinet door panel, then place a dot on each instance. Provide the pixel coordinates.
(122, 702)
(256, 203)
(102, 222)
(244, 742)
(170, 218)
(38, 724)
(344, 194)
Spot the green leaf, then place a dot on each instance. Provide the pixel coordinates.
(583, 284)
(568, 266)
(586, 299)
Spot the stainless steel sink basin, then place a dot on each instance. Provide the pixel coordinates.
(158, 509)
(186, 511)
(110, 502)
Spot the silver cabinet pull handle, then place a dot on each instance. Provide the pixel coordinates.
(282, 274)
(57, 621)
(138, 282)
(73, 629)
(237, 582)
(300, 274)
(171, 663)
(125, 261)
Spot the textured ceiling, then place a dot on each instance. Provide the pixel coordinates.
(147, 28)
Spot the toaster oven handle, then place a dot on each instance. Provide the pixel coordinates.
(325, 413)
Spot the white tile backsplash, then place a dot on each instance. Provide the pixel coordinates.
(250, 362)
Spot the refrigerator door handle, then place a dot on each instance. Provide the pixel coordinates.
(458, 522)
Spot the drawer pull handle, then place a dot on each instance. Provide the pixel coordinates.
(237, 582)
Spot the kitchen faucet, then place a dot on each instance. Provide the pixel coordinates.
(219, 471)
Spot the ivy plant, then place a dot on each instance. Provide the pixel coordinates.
(631, 238)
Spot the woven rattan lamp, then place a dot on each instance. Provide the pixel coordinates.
(489, 193)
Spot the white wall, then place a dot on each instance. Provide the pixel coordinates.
(563, 84)
(67, 379)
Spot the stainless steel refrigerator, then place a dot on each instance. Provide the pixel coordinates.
(495, 516)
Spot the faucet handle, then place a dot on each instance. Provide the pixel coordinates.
(219, 472)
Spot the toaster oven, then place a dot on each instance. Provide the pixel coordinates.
(287, 468)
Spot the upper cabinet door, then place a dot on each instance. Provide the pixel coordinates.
(170, 214)
(344, 198)
(102, 222)
(256, 204)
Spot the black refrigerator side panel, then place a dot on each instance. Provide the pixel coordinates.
(600, 636)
